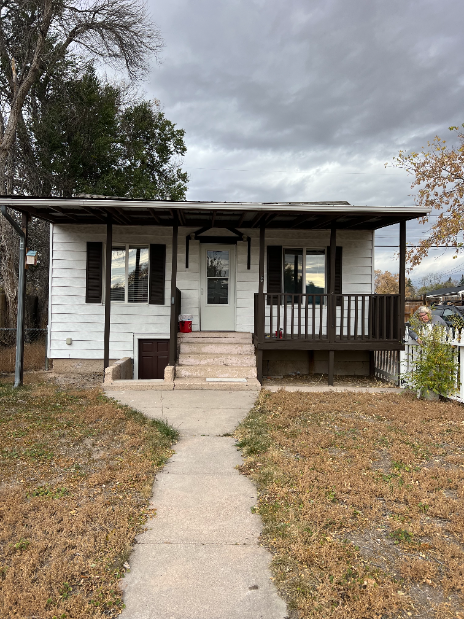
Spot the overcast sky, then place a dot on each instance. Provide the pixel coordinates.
(307, 100)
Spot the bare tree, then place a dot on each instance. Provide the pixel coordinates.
(36, 34)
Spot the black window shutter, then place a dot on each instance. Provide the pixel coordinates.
(94, 273)
(338, 271)
(274, 270)
(157, 274)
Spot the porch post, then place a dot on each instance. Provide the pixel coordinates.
(332, 306)
(106, 337)
(174, 318)
(402, 278)
(21, 300)
(260, 322)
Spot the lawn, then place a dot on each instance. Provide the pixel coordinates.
(76, 472)
(362, 500)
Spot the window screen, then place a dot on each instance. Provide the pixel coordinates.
(137, 275)
(315, 273)
(118, 274)
(129, 274)
(293, 271)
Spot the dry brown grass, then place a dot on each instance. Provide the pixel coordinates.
(76, 473)
(362, 499)
(34, 357)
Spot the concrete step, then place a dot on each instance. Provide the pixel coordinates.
(214, 340)
(241, 360)
(206, 339)
(223, 335)
(200, 383)
(218, 348)
(154, 384)
(215, 371)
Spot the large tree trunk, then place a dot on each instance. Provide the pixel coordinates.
(3, 171)
(9, 242)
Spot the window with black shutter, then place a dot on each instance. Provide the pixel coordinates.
(157, 274)
(301, 270)
(94, 273)
(129, 273)
(274, 271)
(338, 272)
(137, 273)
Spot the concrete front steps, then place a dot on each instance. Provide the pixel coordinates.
(205, 357)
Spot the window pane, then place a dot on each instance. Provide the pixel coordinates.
(218, 291)
(118, 273)
(217, 263)
(315, 273)
(137, 280)
(293, 270)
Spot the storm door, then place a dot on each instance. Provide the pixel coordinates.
(217, 287)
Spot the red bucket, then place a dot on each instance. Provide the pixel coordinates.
(185, 326)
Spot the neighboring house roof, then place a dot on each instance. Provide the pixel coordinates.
(297, 215)
(443, 292)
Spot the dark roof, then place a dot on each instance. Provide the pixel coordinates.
(442, 292)
(297, 215)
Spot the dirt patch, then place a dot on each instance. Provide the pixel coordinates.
(313, 380)
(77, 471)
(362, 498)
(74, 381)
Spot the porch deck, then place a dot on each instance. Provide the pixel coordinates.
(328, 322)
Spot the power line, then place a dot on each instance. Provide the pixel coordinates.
(416, 246)
(297, 171)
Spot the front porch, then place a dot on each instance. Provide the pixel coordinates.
(298, 276)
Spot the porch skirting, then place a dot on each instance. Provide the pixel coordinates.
(347, 363)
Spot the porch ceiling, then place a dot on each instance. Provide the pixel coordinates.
(277, 215)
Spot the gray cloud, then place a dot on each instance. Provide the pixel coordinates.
(303, 94)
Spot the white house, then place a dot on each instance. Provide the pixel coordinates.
(294, 279)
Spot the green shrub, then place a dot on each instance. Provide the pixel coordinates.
(435, 365)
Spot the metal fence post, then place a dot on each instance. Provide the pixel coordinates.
(46, 349)
(461, 371)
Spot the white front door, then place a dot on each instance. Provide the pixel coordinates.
(217, 287)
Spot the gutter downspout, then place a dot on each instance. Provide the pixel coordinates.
(19, 364)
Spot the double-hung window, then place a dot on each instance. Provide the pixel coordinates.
(129, 273)
(304, 272)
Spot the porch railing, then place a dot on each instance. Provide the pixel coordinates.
(328, 317)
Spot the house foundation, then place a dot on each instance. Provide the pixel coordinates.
(79, 366)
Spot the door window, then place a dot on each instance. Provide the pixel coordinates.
(217, 277)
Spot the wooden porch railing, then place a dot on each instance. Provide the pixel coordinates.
(330, 318)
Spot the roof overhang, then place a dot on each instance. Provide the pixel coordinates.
(278, 215)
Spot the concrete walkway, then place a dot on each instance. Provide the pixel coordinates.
(200, 557)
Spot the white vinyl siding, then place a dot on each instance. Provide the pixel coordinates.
(71, 316)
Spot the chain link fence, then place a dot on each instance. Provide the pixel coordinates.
(35, 349)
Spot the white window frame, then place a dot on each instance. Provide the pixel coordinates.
(303, 275)
(126, 272)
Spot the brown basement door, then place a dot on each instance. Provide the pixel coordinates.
(153, 358)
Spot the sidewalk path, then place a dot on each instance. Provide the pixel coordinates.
(200, 558)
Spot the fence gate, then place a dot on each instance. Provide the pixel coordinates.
(387, 365)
